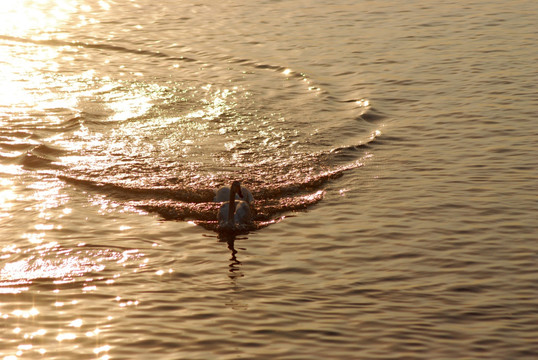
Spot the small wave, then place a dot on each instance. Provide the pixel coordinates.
(14, 146)
(372, 115)
(45, 150)
(124, 192)
(307, 183)
(30, 161)
(29, 156)
(69, 125)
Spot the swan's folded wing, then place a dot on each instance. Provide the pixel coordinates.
(242, 213)
(223, 213)
(222, 195)
(247, 195)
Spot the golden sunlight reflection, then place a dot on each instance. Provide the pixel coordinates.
(101, 349)
(32, 268)
(66, 336)
(127, 106)
(38, 18)
(76, 323)
(12, 288)
(216, 105)
(48, 260)
(22, 83)
(7, 195)
(25, 313)
(363, 103)
(25, 81)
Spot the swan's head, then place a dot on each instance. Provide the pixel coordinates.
(236, 188)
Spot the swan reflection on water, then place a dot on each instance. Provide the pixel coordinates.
(235, 264)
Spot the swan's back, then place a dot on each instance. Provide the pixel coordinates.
(223, 195)
(223, 213)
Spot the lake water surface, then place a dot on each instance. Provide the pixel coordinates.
(390, 147)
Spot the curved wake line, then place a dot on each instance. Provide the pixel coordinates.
(158, 54)
(275, 196)
(265, 212)
(189, 195)
(197, 206)
(202, 194)
(75, 43)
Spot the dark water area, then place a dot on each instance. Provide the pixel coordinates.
(390, 148)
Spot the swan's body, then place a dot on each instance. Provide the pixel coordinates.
(241, 215)
(234, 214)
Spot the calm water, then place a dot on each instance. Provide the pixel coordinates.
(390, 146)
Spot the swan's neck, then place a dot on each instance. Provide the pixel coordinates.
(231, 208)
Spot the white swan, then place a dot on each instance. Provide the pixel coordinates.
(234, 214)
